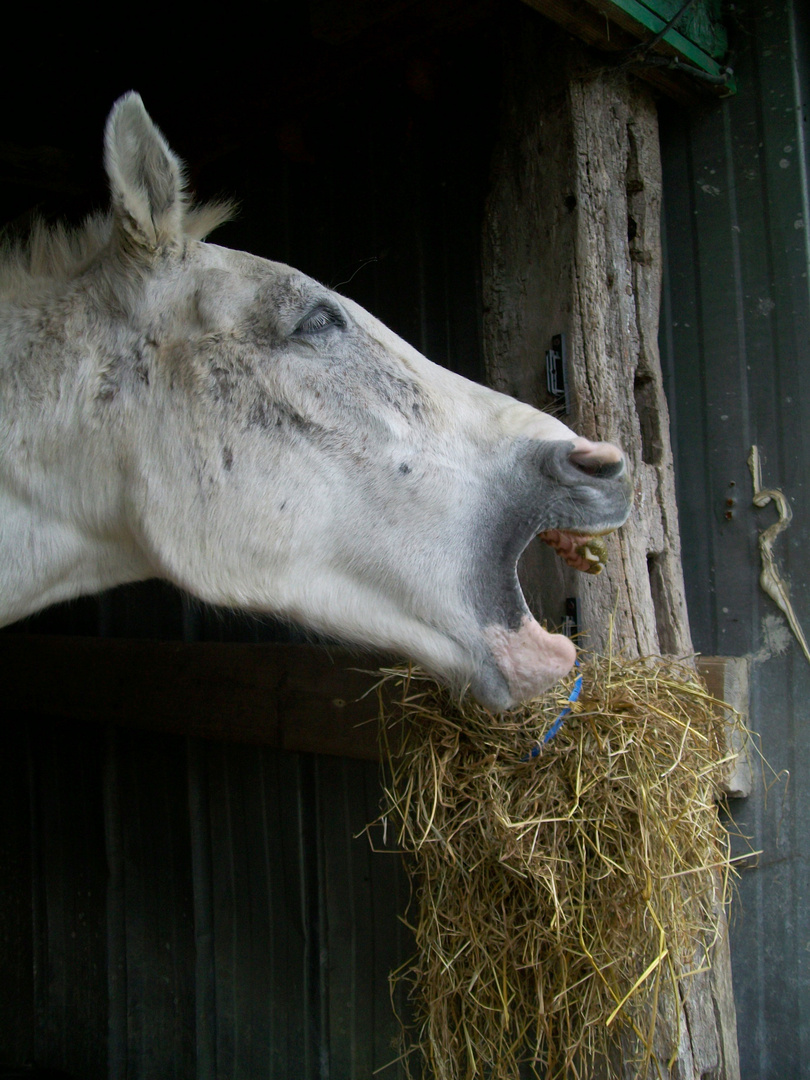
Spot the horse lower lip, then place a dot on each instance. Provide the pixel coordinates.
(529, 658)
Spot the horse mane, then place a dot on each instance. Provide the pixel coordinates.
(56, 253)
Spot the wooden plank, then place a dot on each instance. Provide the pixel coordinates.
(290, 697)
(159, 943)
(68, 890)
(578, 162)
(727, 678)
(701, 38)
(17, 1009)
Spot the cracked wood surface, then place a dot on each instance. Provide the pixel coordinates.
(572, 244)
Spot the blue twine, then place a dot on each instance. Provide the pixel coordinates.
(555, 727)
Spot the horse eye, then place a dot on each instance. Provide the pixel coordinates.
(319, 319)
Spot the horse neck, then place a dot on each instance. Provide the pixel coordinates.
(61, 492)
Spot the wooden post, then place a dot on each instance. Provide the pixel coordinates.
(571, 246)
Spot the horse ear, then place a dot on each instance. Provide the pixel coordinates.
(146, 178)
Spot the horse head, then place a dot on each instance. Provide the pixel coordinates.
(228, 423)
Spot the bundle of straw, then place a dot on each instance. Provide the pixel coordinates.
(552, 896)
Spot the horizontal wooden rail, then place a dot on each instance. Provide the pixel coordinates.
(293, 697)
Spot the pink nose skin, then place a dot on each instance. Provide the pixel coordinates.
(591, 455)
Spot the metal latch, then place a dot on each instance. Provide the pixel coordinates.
(570, 626)
(556, 382)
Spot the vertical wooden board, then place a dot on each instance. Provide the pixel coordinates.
(249, 1016)
(17, 1018)
(240, 926)
(69, 880)
(346, 921)
(617, 383)
(571, 245)
(117, 1029)
(613, 264)
(393, 942)
(158, 906)
(199, 818)
(363, 892)
(354, 995)
(261, 933)
(212, 835)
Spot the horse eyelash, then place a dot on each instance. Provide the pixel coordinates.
(319, 319)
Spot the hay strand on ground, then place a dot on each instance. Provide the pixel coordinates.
(551, 897)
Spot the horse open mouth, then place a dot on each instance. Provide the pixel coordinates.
(525, 659)
(528, 657)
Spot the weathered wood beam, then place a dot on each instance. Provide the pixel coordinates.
(572, 246)
(727, 679)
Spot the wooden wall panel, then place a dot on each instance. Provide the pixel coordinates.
(180, 908)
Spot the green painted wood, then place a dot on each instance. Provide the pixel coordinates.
(698, 34)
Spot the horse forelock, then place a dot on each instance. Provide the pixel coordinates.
(57, 253)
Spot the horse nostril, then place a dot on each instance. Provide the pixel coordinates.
(603, 471)
(601, 460)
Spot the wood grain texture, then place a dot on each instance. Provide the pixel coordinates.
(571, 244)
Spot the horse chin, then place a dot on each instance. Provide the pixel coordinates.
(528, 661)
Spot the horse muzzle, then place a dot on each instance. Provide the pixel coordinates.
(569, 493)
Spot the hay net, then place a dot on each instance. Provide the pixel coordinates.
(556, 900)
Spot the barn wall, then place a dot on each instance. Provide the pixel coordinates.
(735, 340)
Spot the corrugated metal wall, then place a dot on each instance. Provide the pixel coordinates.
(736, 344)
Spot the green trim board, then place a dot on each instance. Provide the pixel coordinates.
(699, 36)
(699, 32)
(689, 57)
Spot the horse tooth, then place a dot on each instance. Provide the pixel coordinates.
(595, 564)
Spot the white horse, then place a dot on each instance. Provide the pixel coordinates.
(174, 409)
